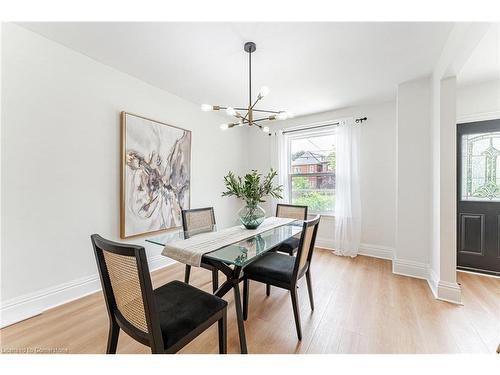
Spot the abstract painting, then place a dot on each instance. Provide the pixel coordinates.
(156, 166)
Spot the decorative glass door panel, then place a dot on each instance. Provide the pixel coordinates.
(481, 166)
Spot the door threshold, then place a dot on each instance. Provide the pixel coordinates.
(479, 272)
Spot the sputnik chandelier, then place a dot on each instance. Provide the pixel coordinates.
(245, 116)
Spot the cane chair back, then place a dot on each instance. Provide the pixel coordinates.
(306, 244)
(291, 211)
(124, 277)
(198, 220)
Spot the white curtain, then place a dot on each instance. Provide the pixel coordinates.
(279, 163)
(347, 234)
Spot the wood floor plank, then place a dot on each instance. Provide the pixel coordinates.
(360, 307)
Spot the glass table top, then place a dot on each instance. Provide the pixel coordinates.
(243, 252)
(163, 239)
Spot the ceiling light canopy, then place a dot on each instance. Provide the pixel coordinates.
(244, 116)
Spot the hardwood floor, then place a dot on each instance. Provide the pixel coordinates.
(361, 307)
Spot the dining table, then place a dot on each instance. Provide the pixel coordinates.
(231, 259)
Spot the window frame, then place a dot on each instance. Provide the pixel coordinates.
(301, 134)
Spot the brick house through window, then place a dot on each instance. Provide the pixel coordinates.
(311, 162)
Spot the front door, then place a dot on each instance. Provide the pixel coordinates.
(478, 194)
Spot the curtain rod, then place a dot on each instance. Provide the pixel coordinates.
(358, 120)
(311, 127)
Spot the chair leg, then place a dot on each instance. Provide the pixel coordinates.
(309, 289)
(296, 313)
(215, 280)
(268, 290)
(246, 292)
(187, 273)
(157, 350)
(114, 331)
(223, 333)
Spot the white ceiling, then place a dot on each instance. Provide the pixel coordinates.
(484, 62)
(310, 67)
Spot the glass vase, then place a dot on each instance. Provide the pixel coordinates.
(251, 215)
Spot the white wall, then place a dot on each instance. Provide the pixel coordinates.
(434, 263)
(448, 181)
(462, 41)
(442, 266)
(377, 170)
(426, 233)
(477, 102)
(61, 164)
(413, 165)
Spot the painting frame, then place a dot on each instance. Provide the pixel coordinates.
(123, 174)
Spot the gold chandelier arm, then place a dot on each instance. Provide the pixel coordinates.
(256, 101)
(232, 125)
(236, 114)
(266, 111)
(259, 120)
(251, 110)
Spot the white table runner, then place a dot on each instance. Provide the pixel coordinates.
(191, 250)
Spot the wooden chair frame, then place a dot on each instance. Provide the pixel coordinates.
(297, 274)
(187, 272)
(268, 287)
(153, 338)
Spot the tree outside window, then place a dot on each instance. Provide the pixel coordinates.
(312, 166)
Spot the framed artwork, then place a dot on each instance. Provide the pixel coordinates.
(156, 170)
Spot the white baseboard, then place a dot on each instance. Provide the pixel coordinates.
(32, 304)
(369, 250)
(410, 268)
(376, 251)
(433, 281)
(449, 292)
(324, 242)
(442, 290)
(29, 305)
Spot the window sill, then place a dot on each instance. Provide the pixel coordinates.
(332, 215)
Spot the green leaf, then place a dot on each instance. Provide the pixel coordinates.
(252, 188)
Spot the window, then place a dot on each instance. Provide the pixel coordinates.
(480, 170)
(311, 166)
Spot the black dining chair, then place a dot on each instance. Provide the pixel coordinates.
(166, 318)
(196, 221)
(290, 211)
(290, 245)
(284, 271)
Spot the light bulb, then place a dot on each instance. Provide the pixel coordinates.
(206, 107)
(224, 126)
(264, 90)
(230, 111)
(282, 116)
(265, 129)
